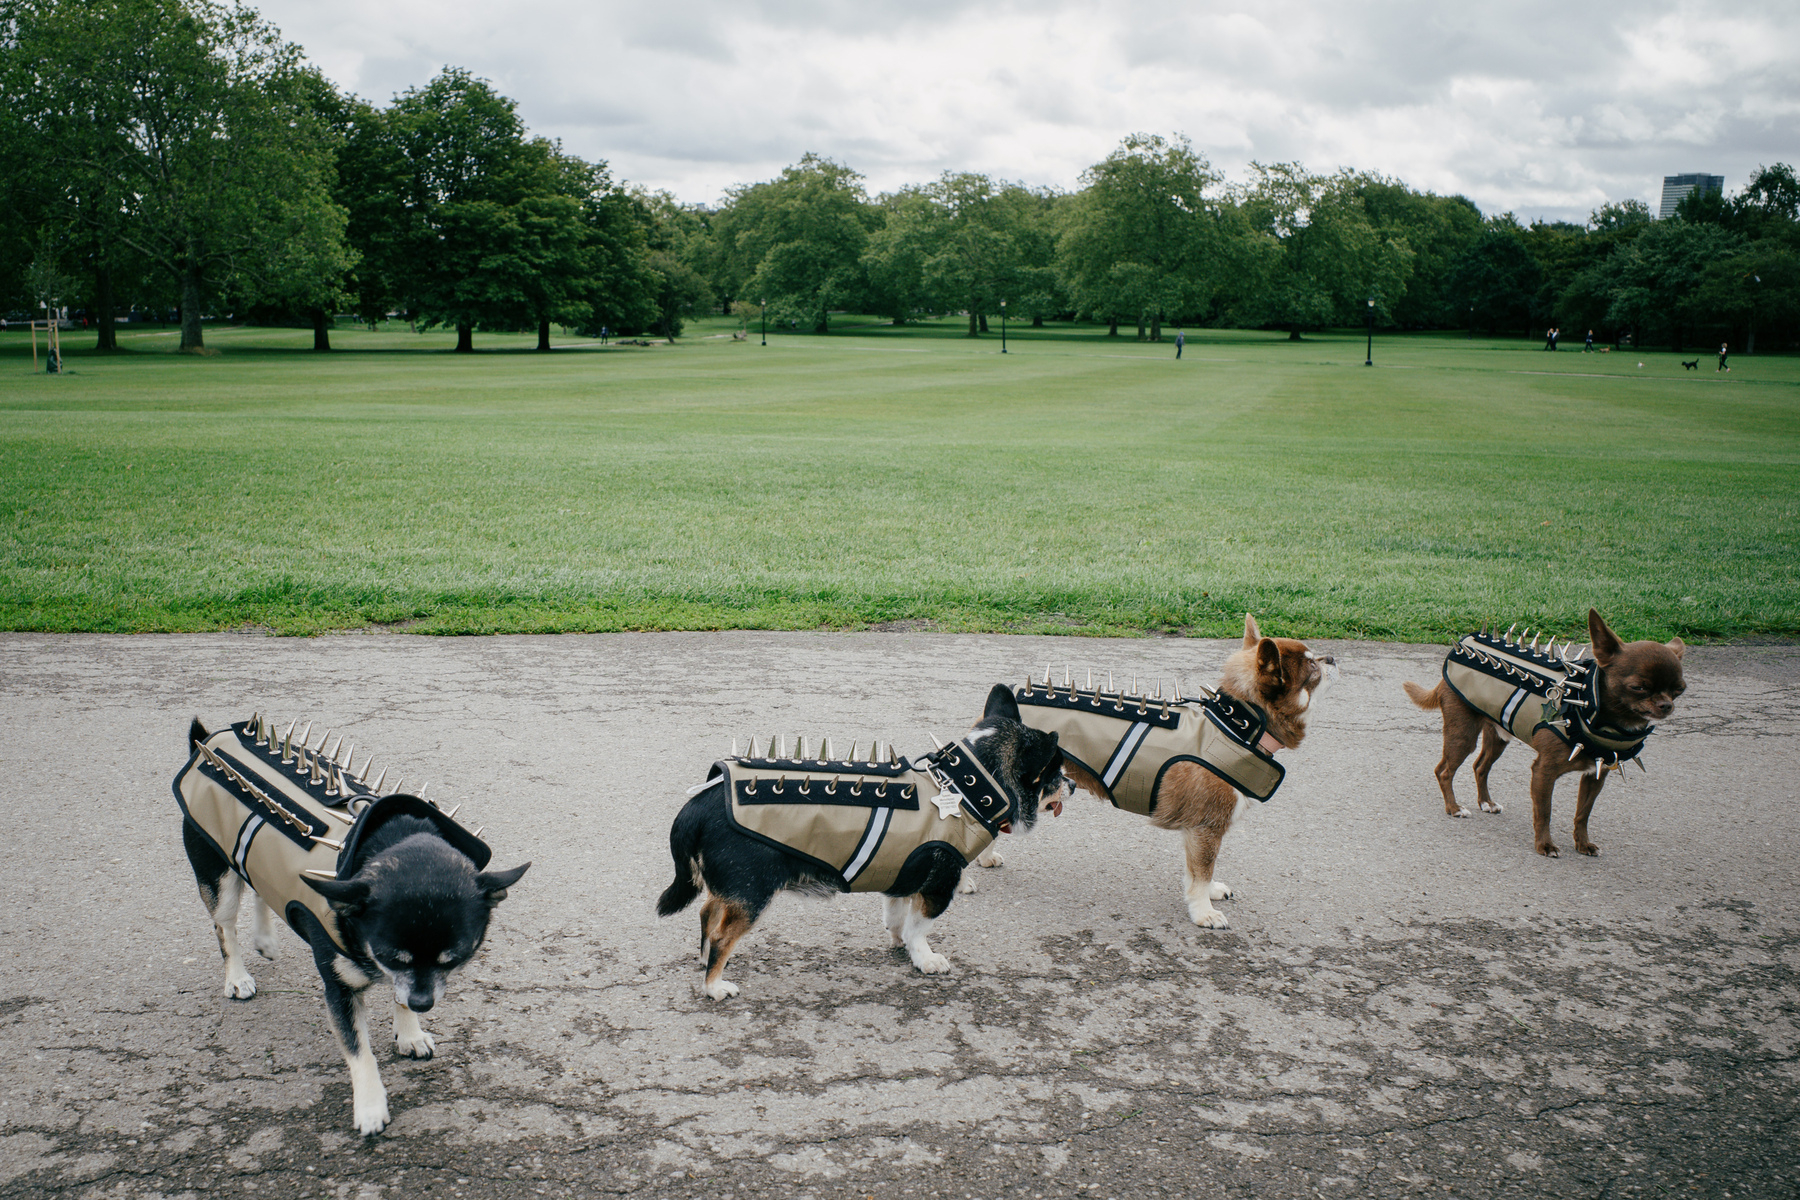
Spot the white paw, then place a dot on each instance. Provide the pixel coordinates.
(965, 888)
(1221, 891)
(1461, 812)
(990, 858)
(1490, 806)
(240, 986)
(264, 946)
(724, 989)
(930, 962)
(1206, 916)
(419, 1045)
(371, 1116)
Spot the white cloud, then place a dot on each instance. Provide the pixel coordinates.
(1547, 109)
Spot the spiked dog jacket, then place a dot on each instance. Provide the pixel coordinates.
(277, 814)
(863, 822)
(1524, 689)
(1130, 742)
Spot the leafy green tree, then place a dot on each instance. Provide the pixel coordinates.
(179, 130)
(1140, 238)
(1497, 278)
(796, 241)
(1653, 283)
(1437, 229)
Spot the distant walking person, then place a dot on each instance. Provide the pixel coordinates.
(1589, 348)
(1180, 341)
(1724, 349)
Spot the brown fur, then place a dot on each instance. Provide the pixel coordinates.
(1271, 673)
(1639, 684)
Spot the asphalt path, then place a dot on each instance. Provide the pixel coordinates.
(1403, 1004)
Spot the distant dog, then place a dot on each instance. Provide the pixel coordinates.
(1577, 714)
(1188, 765)
(1692, 366)
(772, 822)
(402, 898)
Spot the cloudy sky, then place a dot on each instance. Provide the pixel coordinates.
(1546, 109)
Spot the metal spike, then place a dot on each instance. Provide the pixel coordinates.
(1066, 682)
(1046, 675)
(1573, 751)
(318, 874)
(1158, 695)
(875, 752)
(800, 747)
(1509, 633)
(1028, 683)
(1109, 683)
(1535, 637)
(1090, 685)
(255, 730)
(851, 757)
(825, 749)
(325, 841)
(452, 813)
(1640, 763)
(367, 767)
(734, 752)
(287, 743)
(892, 757)
(936, 742)
(331, 754)
(376, 786)
(313, 775)
(306, 735)
(1134, 685)
(343, 760)
(400, 785)
(331, 780)
(421, 792)
(323, 738)
(335, 815)
(478, 830)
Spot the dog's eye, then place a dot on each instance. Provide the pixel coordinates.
(402, 957)
(446, 958)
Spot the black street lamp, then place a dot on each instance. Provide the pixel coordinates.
(1003, 327)
(1369, 356)
(1471, 322)
(764, 305)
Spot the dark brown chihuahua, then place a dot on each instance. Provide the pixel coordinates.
(1638, 684)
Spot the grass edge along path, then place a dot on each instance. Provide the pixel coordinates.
(899, 478)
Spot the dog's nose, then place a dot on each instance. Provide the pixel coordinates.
(420, 1001)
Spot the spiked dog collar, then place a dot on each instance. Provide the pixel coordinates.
(1524, 689)
(1128, 740)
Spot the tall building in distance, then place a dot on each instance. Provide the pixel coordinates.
(1676, 188)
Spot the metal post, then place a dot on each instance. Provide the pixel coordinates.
(1369, 355)
(764, 305)
(1003, 327)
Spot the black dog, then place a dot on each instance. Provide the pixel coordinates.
(892, 835)
(403, 897)
(1692, 366)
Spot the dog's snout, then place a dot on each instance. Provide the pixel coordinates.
(1328, 659)
(421, 1001)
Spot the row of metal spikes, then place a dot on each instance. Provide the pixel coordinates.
(1549, 647)
(334, 768)
(880, 753)
(1175, 696)
(1567, 697)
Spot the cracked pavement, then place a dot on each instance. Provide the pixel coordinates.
(1404, 1003)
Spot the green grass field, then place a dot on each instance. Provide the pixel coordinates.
(1078, 484)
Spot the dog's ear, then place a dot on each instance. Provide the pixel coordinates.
(1252, 635)
(1605, 641)
(1000, 703)
(196, 734)
(1268, 660)
(1677, 646)
(347, 896)
(493, 884)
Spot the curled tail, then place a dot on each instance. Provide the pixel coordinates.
(1424, 699)
(684, 849)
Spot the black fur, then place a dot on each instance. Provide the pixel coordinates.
(747, 874)
(1692, 366)
(410, 907)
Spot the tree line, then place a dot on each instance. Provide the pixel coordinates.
(178, 155)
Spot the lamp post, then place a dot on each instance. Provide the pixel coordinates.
(1471, 322)
(764, 305)
(1003, 327)
(1369, 356)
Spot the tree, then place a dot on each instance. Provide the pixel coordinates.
(1496, 277)
(796, 241)
(1140, 238)
(180, 130)
(1437, 229)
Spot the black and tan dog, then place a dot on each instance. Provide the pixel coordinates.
(382, 887)
(772, 822)
(1576, 713)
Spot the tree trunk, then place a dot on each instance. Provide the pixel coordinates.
(1749, 337)
(1156, 328)
(192, 340)
(983, 320)
(1140, 336)
(544, 333)
(322, 323)
(974, 331)
(1037, 322)
(824, 325)
(108, 338)
(1294, 334)
(465, 338)
(1112, 328)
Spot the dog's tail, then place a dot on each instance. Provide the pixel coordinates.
(684, 848)
(1423, 698)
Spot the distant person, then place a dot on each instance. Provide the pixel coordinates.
(1549, 339)
(1589, 348)
(1724, 349)
(1555, 336)
(1180, 341)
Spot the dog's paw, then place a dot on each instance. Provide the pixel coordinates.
(417, 1045)
(990, 858)
(1458, 811)
(1490, 806)
(721, 989)
(930, 962)
(264, 946)
(1220, 890)
(965, 888)
(1548, 850)
(239, 986)
(1587, 848)
(1206, 916)
(371, 1116)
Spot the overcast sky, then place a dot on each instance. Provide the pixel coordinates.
(1546, 109)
